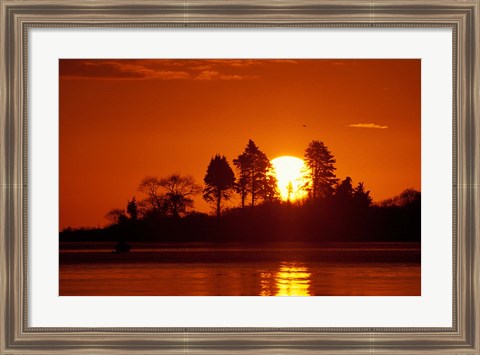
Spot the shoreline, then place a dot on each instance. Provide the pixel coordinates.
(376, 253)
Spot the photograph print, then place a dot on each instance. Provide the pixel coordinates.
(240, 177)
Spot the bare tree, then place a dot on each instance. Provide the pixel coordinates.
(179, 193)
(151, 186)
(407, 197)
(116, 216)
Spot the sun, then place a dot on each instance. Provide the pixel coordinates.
(290, 174)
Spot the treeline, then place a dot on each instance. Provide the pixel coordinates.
(253, 182)
(334, 210)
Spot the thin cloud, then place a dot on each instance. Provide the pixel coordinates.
(234, 77)
(207, 75)
(166, 69)
(118, 70)
(153, 69)
(285, 61)
(250, 62)
(239, 63)
(202, 67)
(367, 125)
(215, 75)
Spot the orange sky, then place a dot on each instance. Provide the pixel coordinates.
(121, 120)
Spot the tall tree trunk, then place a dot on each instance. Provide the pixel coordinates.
(253, 188)
(219, 197)
(175, 210)
(315, 182)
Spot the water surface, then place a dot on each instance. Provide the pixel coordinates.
(349, 269)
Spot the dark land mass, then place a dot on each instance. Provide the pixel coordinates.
(321, 222)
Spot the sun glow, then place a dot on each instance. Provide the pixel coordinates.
(290, 174)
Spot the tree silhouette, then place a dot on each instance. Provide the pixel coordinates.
(179, 191)
(269, 191)
(289, 191)
(241, 185)
(408, 197)
(132, 209)
(254, 168)
(405, 198)
(116, 216)
(155, 200)
(321, 170)
(219, 181)
(361, 197)
(344, 190)
(352, 197)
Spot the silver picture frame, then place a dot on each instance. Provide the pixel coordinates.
(17, 17)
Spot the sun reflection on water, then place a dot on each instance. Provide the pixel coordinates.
(292, 279)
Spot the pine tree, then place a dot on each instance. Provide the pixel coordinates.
(219, 181)
(321, 170)
(253, 167)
